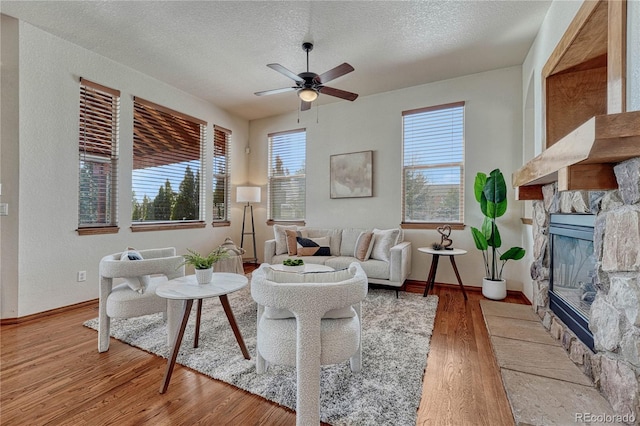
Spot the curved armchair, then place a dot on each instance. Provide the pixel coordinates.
(122, 301)
(308, 320)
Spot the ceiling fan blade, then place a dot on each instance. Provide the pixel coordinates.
(275, 91)
(285, 71)
(331, 91)
(305, 105)
(334, 73)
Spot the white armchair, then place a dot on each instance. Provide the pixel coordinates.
(121, 301)
(308, 320)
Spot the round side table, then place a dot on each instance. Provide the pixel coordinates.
(431, 279)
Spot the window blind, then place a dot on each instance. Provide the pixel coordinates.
(287, 178)
(168, 153)
(221, 173)
(98, 155)
(433, 164)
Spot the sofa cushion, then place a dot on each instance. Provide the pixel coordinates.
(378, 269)
(349, 238)
(383, 241)
(279, 233)
(313, 246)
(364, 246)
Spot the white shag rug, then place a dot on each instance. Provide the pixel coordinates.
(395, 342)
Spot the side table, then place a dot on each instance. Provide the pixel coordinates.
(431, 279)
(186, 289)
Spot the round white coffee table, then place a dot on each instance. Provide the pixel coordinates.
(431, 279)
(307, 267)
(186, 289)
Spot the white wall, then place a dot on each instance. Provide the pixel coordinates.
(633, 55)
(49, 251)
(493, 133)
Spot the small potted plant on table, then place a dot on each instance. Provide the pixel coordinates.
(491, 192)
(204, 264)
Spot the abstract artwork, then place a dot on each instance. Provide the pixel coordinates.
(352, 175)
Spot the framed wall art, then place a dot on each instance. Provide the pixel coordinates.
(351, 175)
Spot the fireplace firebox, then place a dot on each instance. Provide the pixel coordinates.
(572, 277)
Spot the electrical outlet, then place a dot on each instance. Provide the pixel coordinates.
(82, 276)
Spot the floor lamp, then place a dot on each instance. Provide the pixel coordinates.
(248, 194)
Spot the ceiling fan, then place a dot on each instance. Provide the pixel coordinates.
(309, 84)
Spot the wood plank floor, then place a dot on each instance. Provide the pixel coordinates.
(52, 373)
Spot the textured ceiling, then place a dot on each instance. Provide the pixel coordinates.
(218, 51)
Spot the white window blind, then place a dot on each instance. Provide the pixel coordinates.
(433, 164)
(98, 155)
(221, 174)
(287, 178)
(168, 154)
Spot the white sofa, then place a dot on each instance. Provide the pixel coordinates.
(389, 263)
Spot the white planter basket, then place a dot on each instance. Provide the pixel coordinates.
(496, 290)
(203, 276)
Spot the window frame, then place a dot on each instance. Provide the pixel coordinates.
(221, 132)
(104, 125)
(271, 179)
(433, 224)
(158, 225)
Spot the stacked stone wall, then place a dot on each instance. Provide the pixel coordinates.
(615, 312)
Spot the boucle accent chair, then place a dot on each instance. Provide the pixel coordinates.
(307, 320)
(122, 301)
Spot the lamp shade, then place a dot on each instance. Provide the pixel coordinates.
(308, 95)
(248, 194)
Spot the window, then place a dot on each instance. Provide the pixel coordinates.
(168, 153)
(287, 179)
(98, 157)
(221, 138)
(433, 164)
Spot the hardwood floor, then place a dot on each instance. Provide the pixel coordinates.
(52, 373)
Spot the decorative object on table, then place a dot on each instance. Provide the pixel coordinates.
(351, 175)
(204, 264)
(293, 262)
(233, 263)
(491, 192)
(445, 241)
(248, 194)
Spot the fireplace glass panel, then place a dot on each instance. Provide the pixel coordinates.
(574, 272)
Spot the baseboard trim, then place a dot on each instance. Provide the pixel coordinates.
(39, 315)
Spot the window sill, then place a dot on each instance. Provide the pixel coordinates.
(98, 230)
(167, 226)
(220, 223)
(271, 222)
(431, 225)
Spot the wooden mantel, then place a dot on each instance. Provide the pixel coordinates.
(583, 159)
(587, 129)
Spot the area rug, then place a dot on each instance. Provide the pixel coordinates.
(395, 342)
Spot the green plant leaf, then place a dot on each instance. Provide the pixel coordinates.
(479, 239)
(478, 185)
(514, 253)
(495, 240)
(495, 190)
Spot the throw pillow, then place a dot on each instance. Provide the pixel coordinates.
(383, 241)
(364, 246)
(279, 233)
(313, 246)
(138, 284)
(292, 241)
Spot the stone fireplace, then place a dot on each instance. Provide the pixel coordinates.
(614, 312)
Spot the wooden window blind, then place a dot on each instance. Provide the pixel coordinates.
(98, 156)
(287, 178)
(433, 164)
(168, 155)
(221, 173)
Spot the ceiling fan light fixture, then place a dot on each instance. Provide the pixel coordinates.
(308, 95)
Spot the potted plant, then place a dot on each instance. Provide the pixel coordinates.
(491, 192)
(204, 264)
